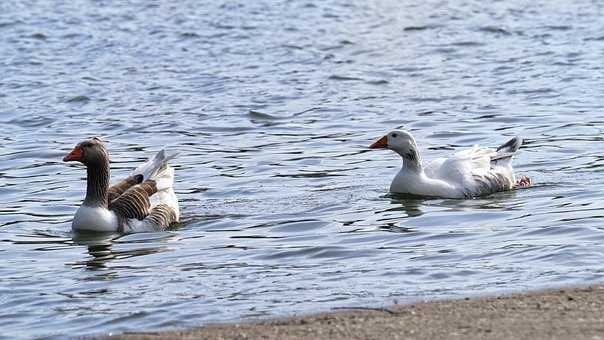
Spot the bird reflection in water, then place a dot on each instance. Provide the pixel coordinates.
(101, 246)
(402, 207)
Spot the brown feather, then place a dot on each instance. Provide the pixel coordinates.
(120, 187)
(162, 216)
(134, 202)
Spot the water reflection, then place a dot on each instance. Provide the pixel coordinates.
(102, 247)
(99, 248)
(410, 204)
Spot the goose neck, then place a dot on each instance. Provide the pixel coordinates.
(97, 185)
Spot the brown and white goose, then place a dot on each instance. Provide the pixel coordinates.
(145, 201)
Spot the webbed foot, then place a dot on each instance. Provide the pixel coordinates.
(523, 182)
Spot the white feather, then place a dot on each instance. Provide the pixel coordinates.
(153, 165)
(94, 219)
(157, 169)
(164, 181)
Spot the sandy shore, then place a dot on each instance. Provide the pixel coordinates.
(576, 313)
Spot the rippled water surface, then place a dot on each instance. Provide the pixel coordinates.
(271, 105)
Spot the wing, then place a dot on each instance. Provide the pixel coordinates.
(134, 202)
(459, 167)
(120, 187)
(475, 172)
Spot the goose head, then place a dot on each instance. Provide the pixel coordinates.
(401, 142)
(91, 152)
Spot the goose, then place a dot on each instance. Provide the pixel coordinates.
(469, 173)
(143, 202)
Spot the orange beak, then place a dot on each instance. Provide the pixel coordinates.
(381, 143)
(74, 155)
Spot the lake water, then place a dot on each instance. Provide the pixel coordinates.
(271, 105)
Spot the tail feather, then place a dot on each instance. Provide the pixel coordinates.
(164, 177)
(164, 181)
(510, 146)
(153, 165)
(158, 170)
(506, 151)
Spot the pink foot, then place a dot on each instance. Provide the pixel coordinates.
(523, 182)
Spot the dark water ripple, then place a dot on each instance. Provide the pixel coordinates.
(271, 105)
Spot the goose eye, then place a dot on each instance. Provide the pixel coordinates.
(394, 135)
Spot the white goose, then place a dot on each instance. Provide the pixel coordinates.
(468, 173)
(145, 201)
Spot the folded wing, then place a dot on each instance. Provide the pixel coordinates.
(479, 171)
(146, 200)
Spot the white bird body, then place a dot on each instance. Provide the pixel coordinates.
(95, 219)
(469, 173)
(408, 182)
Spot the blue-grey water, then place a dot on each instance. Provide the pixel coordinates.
(271, 105)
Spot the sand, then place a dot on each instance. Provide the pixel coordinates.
(576, 313)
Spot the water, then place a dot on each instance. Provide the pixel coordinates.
(272, 105)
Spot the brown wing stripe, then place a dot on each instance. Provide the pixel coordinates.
(119, 188)
(149, 187)
(134, 203)
(162, 215)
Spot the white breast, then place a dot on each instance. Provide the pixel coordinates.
(95, 219)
